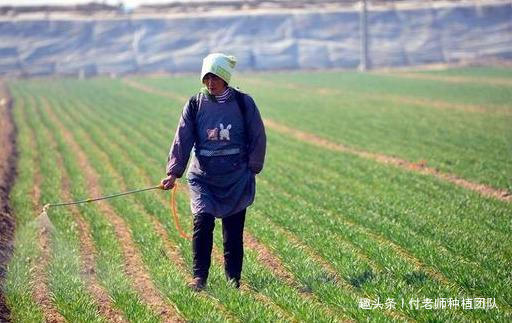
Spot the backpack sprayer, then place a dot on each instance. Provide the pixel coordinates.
(44, 213)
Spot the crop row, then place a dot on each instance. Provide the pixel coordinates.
(255, 310)
(390, 231)
(256, 272)
(455, 220)
(456, 210)
(461, 129)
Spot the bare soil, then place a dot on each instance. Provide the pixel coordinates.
(41, 291)
(8, 158)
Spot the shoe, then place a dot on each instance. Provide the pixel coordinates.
(197, 284)
(234, 282)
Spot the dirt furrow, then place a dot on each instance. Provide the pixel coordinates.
(171, 249)
(269, 260)
(403, 253)
(87, 250)
(149, 89)
(421, 167)
(134, 266)
(8, 160)
(274, 264)
(88, 258)
(452, 79)
(426, 103)
(436, 104)
(40, 289)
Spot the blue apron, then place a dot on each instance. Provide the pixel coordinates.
(220, 181)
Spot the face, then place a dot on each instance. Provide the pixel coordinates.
(214, 84)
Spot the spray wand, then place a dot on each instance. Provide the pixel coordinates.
(160, 186)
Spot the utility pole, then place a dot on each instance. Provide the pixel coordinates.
(363, 32)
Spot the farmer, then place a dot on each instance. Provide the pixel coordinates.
(225, 130)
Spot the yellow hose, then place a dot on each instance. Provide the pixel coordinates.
(175, 213)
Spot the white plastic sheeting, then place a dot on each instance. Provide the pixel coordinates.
(260, 41)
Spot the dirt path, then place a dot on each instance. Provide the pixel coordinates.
(134, 265)
(452, 79)
(8, 160)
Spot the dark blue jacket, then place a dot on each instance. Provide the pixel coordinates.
(229, 149)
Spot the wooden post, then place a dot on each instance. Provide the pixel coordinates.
(363, 31)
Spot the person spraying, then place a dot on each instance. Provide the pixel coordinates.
(224, 129)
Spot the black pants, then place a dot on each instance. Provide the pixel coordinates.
(202, 242)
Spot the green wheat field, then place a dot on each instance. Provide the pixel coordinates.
(359, 214)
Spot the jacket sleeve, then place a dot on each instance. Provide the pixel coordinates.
(257, 139)
(183, 142)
